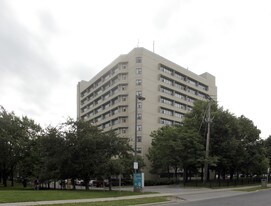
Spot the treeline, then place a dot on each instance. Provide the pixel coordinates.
(236, 149)
(73, 150)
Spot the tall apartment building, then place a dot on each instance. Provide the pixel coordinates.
(108, 99)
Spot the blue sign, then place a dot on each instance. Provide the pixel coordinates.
(138, 181)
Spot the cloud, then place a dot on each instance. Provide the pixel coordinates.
(48, 23)
(25, 65)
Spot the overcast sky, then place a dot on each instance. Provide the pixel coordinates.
(48, 46)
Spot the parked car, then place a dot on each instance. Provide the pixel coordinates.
(98, 183)
(79, 182)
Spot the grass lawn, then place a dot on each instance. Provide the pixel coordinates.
(26, 195)
(118, 202)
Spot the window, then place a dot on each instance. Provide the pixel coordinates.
(180, 86)
(190, 100)
(124, 119)
(189, 108)
(106, 86)
(123, 87)
(124, 76)
(139, 104)
(139, 128)
(114, 101)
(179, 76)
(166, 121)
(123, 98)
(99, 118)
(166, 70)
(179, 115)
(192, 91)
(167, 81)
(138, 70)
(106, 77)
(178, 105)
(115, 90)
(166, 111)
(193, 82)
(123, 109)
(139, 150)
(202, 95)
(139, 116)
(138, 93)
(115, 121)
(138, 82)
(203, 87)
(106, 95)
(107, 125)
(180, 96)
(139, 139)
(106, 115)
(115, 111)
(106, 105)
(166, 101)
(165, 90)
(138, 59)
(99, 109)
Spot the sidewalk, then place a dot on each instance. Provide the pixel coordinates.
(177, 194)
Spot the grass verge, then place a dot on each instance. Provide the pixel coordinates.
(47, 195)
(118, 202)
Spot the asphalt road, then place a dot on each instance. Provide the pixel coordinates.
(260, 198)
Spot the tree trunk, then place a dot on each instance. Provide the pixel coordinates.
(168, 173)
(73, 184)
(201, 174)
(231, 174)
(4, 177)
(218, 175)
(224, 174)
(86, 181)
(110, 184)
(215, 175)
(184, 176)
(176, 175)
(12, 179)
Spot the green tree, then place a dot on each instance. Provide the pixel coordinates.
(92, 151)
(16, 136)
(267, 144)
(26, 167)
(51, 150)
(117, 150)
(175, 148)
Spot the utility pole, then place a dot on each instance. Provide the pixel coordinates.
(208, 120)
(137, 98)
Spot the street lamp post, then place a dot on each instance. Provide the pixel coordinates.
(137, 98)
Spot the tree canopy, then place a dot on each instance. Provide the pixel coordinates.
(72, 150)
(235, 144)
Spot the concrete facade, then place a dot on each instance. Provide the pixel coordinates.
(108, 99)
